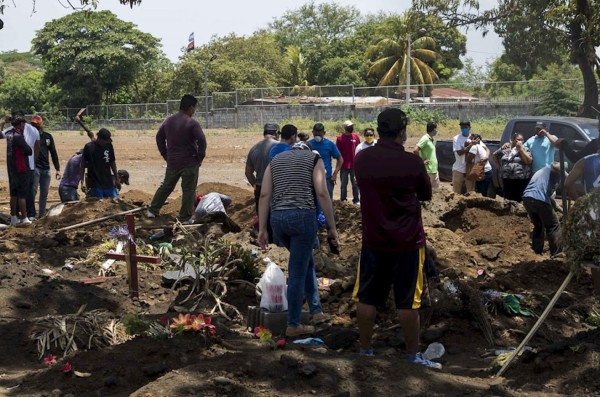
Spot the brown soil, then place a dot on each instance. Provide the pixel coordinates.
(480, 244)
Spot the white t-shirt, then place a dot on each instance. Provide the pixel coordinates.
(481, 154)
(460, 163)
(364, 145)
(31, 135)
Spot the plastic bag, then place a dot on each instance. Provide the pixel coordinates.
(274, 289)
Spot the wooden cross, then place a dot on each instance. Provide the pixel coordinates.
(134, 258)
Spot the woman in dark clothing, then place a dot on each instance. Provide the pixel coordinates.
(515, 168)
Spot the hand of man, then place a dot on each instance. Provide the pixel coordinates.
(425, 162)
(333, 235)
(333, 178)
(263, 239)
(118, 185)
(57, 175)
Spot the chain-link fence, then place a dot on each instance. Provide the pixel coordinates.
(448, 95)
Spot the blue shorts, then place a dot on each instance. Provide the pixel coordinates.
(103, 193)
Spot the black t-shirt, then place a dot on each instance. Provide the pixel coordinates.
(97, 160)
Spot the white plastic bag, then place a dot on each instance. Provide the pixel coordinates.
(274, 289)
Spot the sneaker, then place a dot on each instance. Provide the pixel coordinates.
(320, 318)
(31, 218)
(150, 214)
(419, 359)
(14, 221)
(25, 222)
(366, 352)
(299, 330)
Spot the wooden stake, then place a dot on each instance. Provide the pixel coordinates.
(538, 323)
(105, 218)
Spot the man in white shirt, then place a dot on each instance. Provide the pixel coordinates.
(461, 146)
(32, 137)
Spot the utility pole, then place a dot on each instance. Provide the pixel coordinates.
(407, 96)
(212, 58)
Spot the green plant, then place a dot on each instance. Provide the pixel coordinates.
(135, 324)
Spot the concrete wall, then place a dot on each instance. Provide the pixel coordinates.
(259, 115)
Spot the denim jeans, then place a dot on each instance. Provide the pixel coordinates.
(344, 176)
(330, 187)
(41, 179)
(296, 231)
(68, 193)
(483, 185)
(30, 199)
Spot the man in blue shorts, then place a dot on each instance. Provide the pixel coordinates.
(99, 159)
(392, 184)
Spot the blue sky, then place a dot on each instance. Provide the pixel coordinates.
(173, 20)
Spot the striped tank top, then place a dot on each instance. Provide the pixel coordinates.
(293, 180)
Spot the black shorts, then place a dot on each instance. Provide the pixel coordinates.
(378, 271)
(19, 184)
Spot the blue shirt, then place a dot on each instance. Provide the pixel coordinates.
(280, 147)
(542, 151)
(542, 185)
(327, 149)
(591, 172)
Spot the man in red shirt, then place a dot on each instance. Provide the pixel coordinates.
(392, 182)
(347, 143)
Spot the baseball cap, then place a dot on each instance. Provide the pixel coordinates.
(16, 120)
(391, 120)
(431, 126)
(271, 127)
(465, 122)
(37, 120)
(125, 175)
(348, 123)
(540, 125)
(319, 127)
(104, 134)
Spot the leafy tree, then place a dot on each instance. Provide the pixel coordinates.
(320, 31)
(556, 100)
(243, 62)
(538, 31)
(90, 55)
(26, 91)
(298, 67)
(349, 70)
(392, 57)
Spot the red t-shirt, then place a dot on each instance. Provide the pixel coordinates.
(347, 144)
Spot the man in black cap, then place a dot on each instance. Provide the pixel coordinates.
(542, 146)
(258, 159)
(392, 182)
(99, 160)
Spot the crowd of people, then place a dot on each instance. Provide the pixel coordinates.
(293, 176)
(30, 149)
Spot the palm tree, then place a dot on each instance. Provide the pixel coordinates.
(392, 54)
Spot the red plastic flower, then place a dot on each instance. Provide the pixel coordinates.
(280, 343)
(164, 320)
(67, 367)
(49, 360)
(183, 322)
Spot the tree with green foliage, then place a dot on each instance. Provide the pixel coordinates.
(91, 55)
(392, 56)
(242, 62)
(556, 100)
(26, 91)
(298, 66)
(535, 32)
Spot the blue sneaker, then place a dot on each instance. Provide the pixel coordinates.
(366, 352)
(419, 359)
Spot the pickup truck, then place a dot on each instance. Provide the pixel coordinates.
(576, 130)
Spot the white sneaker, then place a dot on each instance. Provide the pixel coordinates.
(188, 222)
(25, 222)
(150, 214)
(31, 218)
(14, 221)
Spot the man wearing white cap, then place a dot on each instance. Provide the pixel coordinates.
(347, 143)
